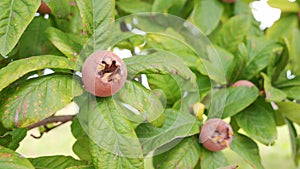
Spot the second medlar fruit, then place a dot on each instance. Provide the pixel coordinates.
(216, 134)
(103, 73)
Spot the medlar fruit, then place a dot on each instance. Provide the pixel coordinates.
(103, 73)
(243, 83)
(216, 134)
(44, 9)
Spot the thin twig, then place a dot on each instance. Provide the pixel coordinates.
(53, 119)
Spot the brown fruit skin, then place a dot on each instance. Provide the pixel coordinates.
(216, 134)
(44, 9)
(299, 16)
(243, 83)
(100, 84)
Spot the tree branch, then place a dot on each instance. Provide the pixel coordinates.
(53, 119)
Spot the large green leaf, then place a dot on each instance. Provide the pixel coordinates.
(290, 110)
(248, 149)
(111, 132)
(218, 66)
(55, 162)
(158, 63)
(282, 27)
(175, 44)
(292, 40)
(177, 125)
(236, 99)
(292, 92)
(97, 17)
(174, 7)
(184, 155)
(14, 18)
(134, 6)
(106, 160)
(284, 6)
(259, 54)
(272, 93)
(295, 142)
(233, 32)
(34, 42)
(11, 160)
(207, 14)
(82, 141)
(147, 106)
(167, 84)
(212, 160)
(258, 122)
(64, 42)
(11, 139)
(31, 101)
(17, 69)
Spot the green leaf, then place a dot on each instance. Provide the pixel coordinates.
(295, 141)
(284, 6)
(292, 40)
(184, 155)
(177, 125)
(292, 92)
(212, 160)
(15, 17)
(233, 32)
(290, 110)
(11, 139)
(64, 42)
(33, 100)
(110, 132)
(59, 8)
(147, 106)
(228, 102)
(258, 122)
(218, 66)
(106, 159)
(34, 42)
(17, 136)
(179, 8)
(88, 166)
(272, 93)
(206, 15)
(167, 84)
(176, 45)
(55, 162)
(282, 27)
(19, 68)
(97, 17)
(11, 160)
(259, 52)
(248, 149)
(82, 141)
(158, 63)
(288, 82)
(134, 6)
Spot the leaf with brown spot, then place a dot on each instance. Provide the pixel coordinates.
(37, 99)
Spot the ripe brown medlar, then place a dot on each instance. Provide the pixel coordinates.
(243, 83)
(103, 73)
(216, 134)
(44, 9)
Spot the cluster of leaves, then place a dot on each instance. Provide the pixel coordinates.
(31, 45)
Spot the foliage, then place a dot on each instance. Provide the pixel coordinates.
(191, 51)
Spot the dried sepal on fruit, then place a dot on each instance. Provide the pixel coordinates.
(103, 73)
(216, 134)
